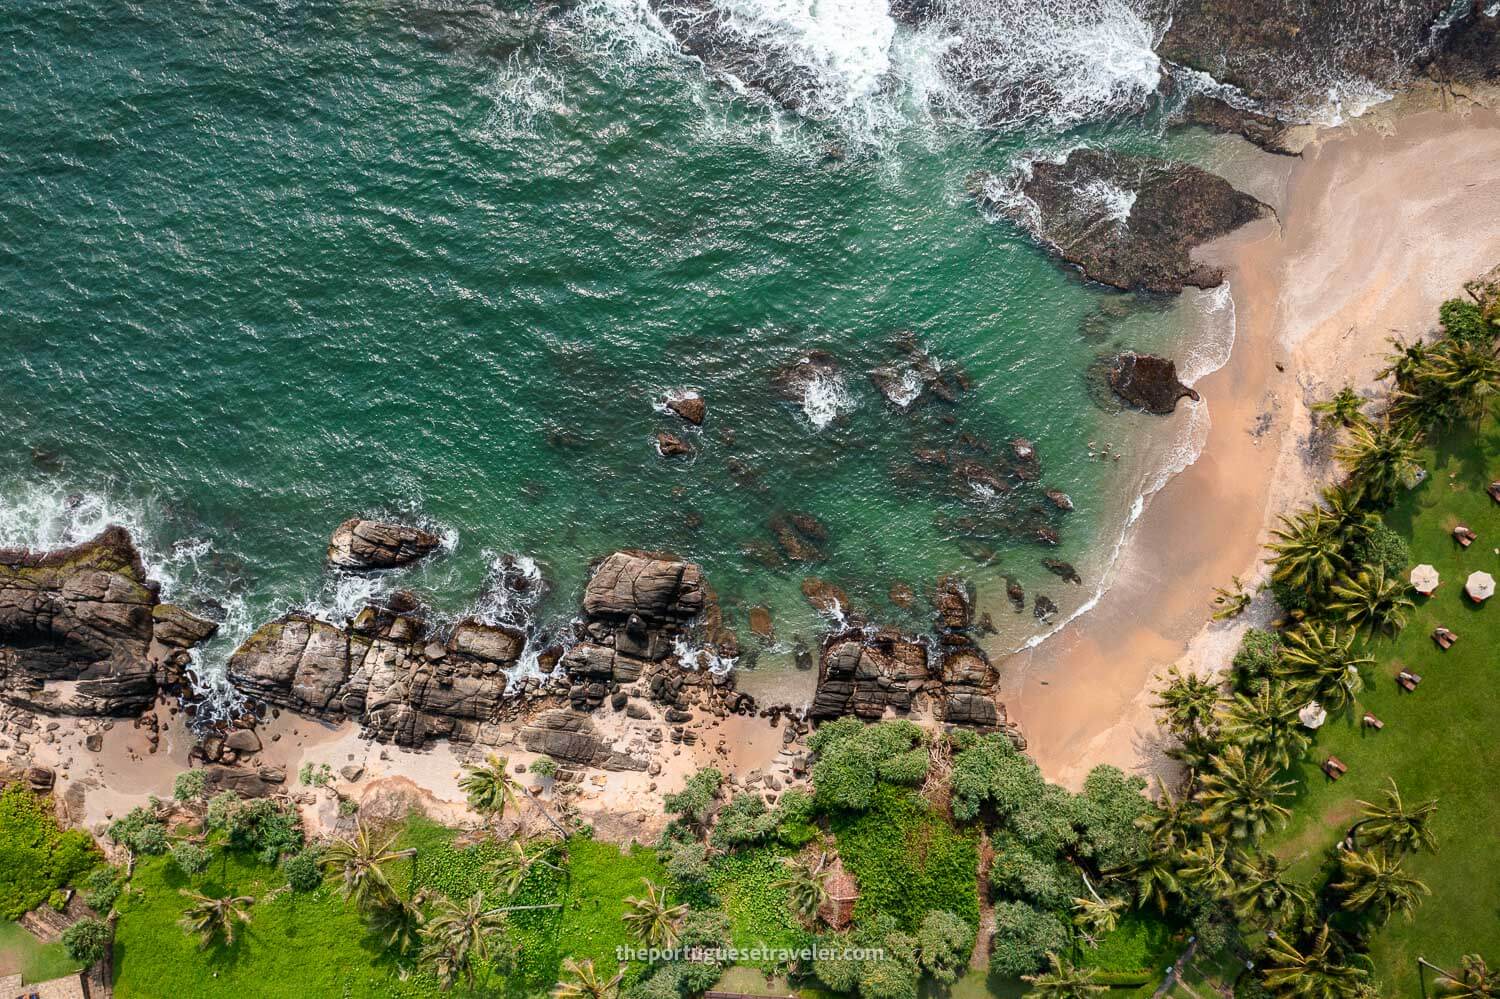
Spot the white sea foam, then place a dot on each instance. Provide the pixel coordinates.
(825, 397)
(701, 659)
(1107, 201)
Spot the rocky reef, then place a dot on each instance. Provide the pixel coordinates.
(1129, 222)
(372, 544)
(1148, 382)
(83, 631)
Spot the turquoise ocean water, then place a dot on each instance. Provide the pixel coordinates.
(264, 266)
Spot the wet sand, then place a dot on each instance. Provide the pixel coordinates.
(1377, 223)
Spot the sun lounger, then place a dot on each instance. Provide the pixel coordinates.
(1408, 680)
(1464, 535)
(1335, 767)
(1494, 490)
(1444, 638)
(1372, 722)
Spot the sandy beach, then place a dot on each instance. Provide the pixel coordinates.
(1318, 291)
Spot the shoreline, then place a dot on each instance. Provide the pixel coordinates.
(1316, 292)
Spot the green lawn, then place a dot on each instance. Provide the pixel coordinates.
(36, 961)
(1443, 741)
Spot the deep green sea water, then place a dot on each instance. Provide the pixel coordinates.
(264, 266)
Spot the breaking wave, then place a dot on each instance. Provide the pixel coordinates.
(825, 398)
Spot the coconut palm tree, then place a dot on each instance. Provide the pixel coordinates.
(1372, 599)
(1474, 979)
(651, 919)
(1405, 363)
(1380, 459)
(1323, 664)
(1186, 703)
(1309, 550)
(1155, 878)
(1263, 894)
(1096, 917)
(1467, 375)
(398, 922)
(1343, 409)
(1062, 981)
(1396, 826)
(1319, 971)
(516, 859)
(458, 937)
(360, 862)
(806, 885)
(491, 790)
(1241, 795)
(582, 981)
(212, 918)
(1374, 883)
(1346, 514)
(1172, 824)
(1206, 867)
(1265, 722)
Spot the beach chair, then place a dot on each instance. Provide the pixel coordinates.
(1444, 638)
(1464, 535)
(1408, 680)
(1494, 490)
(1372, 722)
(1335, 767)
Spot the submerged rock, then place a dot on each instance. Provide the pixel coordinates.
(1264, 130)
(1148, 382)
(672, 446)
(1064, 570)
(1129, 222)
(359, 544)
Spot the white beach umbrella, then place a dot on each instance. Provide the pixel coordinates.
(1480, 587)
(1312, 715)
(1425, 579)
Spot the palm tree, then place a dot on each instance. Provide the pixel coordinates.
(1346, 515)
(583, 982)
(1372, 599)
(1323, 665)
(1172, 824)
(1468, 376)
(397, 922)
(1206, 867)
(457, 937)
(651, 919)
(1263, 894)
(360, 863)
(213, 918)
(1343, 409)
(1405, 363)
(1155, 879)
(1319, 972)
(1266, 723)
(1379, 459)
(491, 789)
(1241, 794)
(1375, 883)
(1063, 981)
(1096, 917)
(1186, 708)
(1396, 827)
(1309, 550)
(1474, 980)
(806, 885)
(515, 861)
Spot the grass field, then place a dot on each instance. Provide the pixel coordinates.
(35, 961)
(1442, 741)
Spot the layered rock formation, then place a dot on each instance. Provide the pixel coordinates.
(372, 544)
(1129, 222)
(82, 629)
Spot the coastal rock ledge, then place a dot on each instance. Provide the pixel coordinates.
(373, 544)
(1148, 382)
(1129, 222)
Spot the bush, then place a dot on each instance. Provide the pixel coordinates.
(87, 940)
(102, 887)
(1106, 814)
(189, 786)
(745, 821)
(261, 826)
(1042, 880)
(687, 862)
(854, 757)
(1291, 598)
(320, 775)
(1384, 547)
(35, 855)
(691, 805)
(303, 873)
(141, 831)
(57, 900)
(1257, 660)
(1023, 938)
(703, 930)
(1464, 321)
(892, 975)
(794, 818)
(546, 766)
(944, 943)
(190, 859)
(992, 773)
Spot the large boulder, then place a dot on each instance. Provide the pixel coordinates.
(659, 589)
(175, 627)
(372, 544)
(76, 627)
(1125, 221)
(1148, 382)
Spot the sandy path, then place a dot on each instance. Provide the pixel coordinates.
(1378, 225)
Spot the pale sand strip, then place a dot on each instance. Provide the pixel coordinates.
(1378, 227)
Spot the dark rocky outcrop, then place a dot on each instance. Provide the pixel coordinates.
(569, 737)
(688, 405)
(1148, 382)
(1129, 222)
(76, 629)
(1468, 49)
(1264, 130)
(671, 446)
(372, 544)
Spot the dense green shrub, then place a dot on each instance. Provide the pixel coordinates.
(545, 766)
(704, 931)
(745, 821)
(886, 966)
(1292, 598)
(1257, 660)
(687, 862)
(261, 826)
(87, 940)
(141, 831)
(1107, 816)
(944, 943)
(1385, 548)
(189, 858)
(691, 806)
(1040, 879)
(303, 873)
(1464, 320)
(991, 773)
(35, 855)
(189, 786)
(1023, 938)
(853, 758)
(102, 887)
(794, 817)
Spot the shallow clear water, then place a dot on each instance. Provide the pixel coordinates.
(265, 266)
